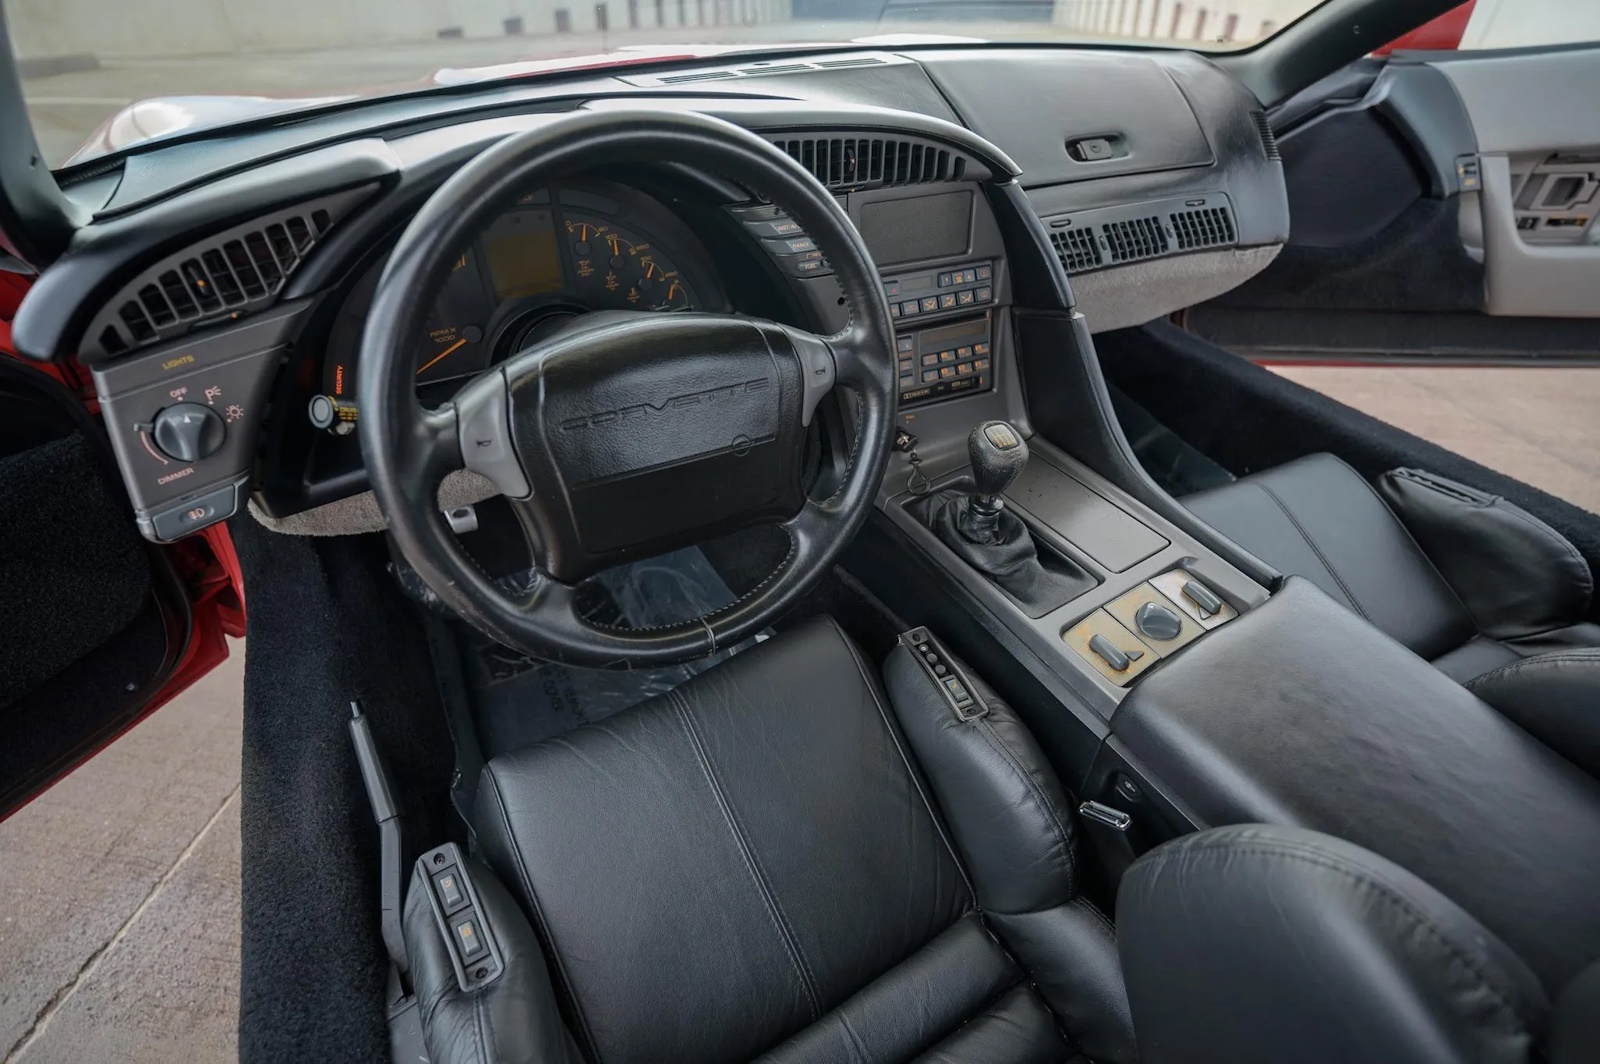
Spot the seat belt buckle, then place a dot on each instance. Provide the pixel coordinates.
(954, 685)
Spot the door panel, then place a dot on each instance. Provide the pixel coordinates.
(1538, 133)
(1443, 209)
(93, 620)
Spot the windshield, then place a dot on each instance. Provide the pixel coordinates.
(102, 75)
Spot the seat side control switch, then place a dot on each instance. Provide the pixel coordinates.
(459, 913)
(936, 662)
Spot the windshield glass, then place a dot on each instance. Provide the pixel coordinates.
(102, 75)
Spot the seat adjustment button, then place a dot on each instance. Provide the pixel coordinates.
(468, 938)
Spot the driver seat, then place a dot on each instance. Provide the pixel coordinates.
(783, 858)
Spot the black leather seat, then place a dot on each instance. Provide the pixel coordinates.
(1255, 945)
(785, 860)
(1493, 596)
(783, 857)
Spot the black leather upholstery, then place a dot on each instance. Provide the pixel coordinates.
(1463, 578)
(752, 864)
(1489, 587)
(1266, 944)
(1300, 713)
(1515, 575)
(1315, 517)
(1555, 698)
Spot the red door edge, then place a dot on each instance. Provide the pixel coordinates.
(1442, 34)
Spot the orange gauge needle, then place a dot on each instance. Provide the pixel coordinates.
(436, 358)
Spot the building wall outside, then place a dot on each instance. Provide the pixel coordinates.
(113, 29)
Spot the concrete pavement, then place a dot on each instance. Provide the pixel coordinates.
(120, 893)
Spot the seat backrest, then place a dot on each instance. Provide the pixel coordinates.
(1255, 945)
(1316, 517)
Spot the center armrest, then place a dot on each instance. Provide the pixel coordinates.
(1302, 713)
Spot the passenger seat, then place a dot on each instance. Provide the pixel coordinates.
(1494, 597)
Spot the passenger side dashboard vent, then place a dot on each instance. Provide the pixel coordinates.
(846, 161)
(1114, 236)
(237, 271)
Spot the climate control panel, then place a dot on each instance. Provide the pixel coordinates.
(945, 360)
(184, 419)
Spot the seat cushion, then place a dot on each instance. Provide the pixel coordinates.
(733, 863)
(1316, 517)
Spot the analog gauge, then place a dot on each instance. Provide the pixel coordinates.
(452, 342)
(621, 270)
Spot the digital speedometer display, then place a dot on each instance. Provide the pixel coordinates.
(523, 257)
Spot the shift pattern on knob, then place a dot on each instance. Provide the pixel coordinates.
(998, 455)
(189, 432)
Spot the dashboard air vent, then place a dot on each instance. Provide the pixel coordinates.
(1138, 238)
(867, 162)
(1269, 139)
(1207, 228)
(235, 271)
(1110, 236)
(1077, 249)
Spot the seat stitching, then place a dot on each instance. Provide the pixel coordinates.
(484, 1039)
(986, 729)
(1295, 521)
(752, 863)
(911, 772)
(1551, 659)
(568, 990)
(1363, 879)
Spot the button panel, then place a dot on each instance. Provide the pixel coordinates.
(944, 361)
(1148, 599)
(224, 377)
(784, 241)
(937, 291)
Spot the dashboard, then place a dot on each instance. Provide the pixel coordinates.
(227, 286)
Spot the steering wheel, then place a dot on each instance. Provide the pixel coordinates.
(629, 435)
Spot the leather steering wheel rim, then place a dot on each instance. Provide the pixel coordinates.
(409, 449)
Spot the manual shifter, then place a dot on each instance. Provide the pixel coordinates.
(998, 455)
(977, 526)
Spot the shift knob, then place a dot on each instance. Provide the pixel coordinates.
(998, 455)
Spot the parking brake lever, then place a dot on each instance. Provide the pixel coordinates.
(390, 839)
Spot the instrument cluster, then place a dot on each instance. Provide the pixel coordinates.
(556, 254)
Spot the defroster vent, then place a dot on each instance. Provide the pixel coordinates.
(240, 269)
(845, 161)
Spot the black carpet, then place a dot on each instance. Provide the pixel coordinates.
(1248, 418)
(326, 625)
(72, 564)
